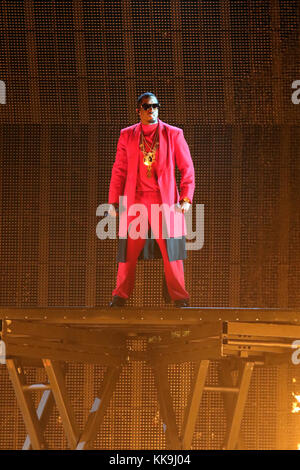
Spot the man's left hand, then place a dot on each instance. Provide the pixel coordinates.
(184, 205)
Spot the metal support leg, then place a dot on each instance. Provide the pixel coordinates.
(43, 412)
(194, 400)
(26, 405)
(56, 379)
(166, 406)
(227, 381)
(235, 424)
(99, 408)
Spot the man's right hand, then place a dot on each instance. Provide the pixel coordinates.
(112, 211)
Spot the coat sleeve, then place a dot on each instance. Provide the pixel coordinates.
(185, 165)
(119, 172)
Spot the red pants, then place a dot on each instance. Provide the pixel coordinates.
(174, 272)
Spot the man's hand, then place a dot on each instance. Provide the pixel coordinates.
(112, 211)
(184, 205)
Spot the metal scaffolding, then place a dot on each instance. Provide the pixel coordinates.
(48, 337)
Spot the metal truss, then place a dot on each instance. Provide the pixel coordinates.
(238, 345)
(55, 392)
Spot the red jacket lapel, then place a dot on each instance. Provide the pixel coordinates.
(134, 151)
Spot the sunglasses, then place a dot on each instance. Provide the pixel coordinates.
(146, 106)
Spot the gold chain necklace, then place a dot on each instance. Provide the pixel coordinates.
(149, 156)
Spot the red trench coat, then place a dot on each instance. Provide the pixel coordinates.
(173, 149)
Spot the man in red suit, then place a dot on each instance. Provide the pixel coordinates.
(144, 173)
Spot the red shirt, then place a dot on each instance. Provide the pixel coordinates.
(143, 182)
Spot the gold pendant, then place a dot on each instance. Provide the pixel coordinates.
(148, 158)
